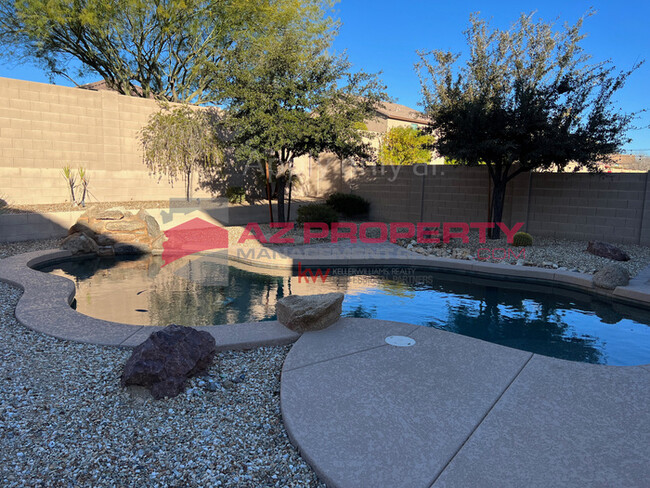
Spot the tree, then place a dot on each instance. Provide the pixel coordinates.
(169, 49)
(526, 99)
(180, 141)
(295, 98)
(405, 145)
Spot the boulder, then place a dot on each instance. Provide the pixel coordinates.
(611, 276)
(83, 228)
(153, 229)
(79, 243)
(606, 250)
(110, 214)
(119, 230)
(165, 361)
(309, 312)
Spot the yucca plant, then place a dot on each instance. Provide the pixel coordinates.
(83, 178)
(71, 178)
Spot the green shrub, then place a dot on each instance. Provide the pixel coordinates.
(348, 204)
(316, 212)
(522, 239)
(235, 194)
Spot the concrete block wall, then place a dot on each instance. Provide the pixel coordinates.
(588, 206)
(455, 194)
(46, 127)
(611, 207)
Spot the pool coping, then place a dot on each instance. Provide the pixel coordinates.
(45, 303)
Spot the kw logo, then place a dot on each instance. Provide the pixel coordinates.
(307, 273)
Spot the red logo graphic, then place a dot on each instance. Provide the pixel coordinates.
(193, 236)
(308, 273)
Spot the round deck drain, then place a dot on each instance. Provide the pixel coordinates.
(400, 341)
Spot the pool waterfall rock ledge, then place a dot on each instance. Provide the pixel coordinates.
(115, 231)
(45, 303)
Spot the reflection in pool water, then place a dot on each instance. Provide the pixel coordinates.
(200, 291)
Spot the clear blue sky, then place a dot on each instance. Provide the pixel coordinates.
(383, 35)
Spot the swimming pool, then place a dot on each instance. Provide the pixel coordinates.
(551, 321)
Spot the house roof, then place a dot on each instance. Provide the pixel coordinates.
(402, 112)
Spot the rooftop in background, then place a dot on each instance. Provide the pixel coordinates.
(396, 111)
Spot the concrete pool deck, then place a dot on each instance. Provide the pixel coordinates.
(448, 411)
(453, 411)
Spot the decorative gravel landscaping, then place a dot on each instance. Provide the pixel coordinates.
(546, 252)
(66, 421)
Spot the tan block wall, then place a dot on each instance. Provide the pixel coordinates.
(611, 207)
(46, 127)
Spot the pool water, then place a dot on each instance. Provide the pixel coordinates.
(198, 291)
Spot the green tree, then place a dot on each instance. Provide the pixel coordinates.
(169, 49)
(293, 97)
(405, 145)
(527, 98)
(180, 141)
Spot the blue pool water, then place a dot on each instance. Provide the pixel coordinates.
(550, 321)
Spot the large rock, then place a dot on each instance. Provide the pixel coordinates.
(606, 250)
(168, 358)
(117, 231)
(309, 312)
(79, 243)
(111, 214)
(611, 276)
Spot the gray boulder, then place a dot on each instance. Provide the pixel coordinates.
(309, 312)
(606, 250)
(79, 243)
(611, 276)
(165, 361)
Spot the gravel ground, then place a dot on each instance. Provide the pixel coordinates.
(546, 252)
(65, 420)
(68, 207)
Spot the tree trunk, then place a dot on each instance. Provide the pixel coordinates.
(498, 200)
(268, 190)
(188, 187)
(289, 205)
(290, 187)
(280, 183)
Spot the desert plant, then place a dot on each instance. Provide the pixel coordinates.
(348, 204)
(180, 141)
(83, 178)
(316, 212)
(235, 194)
(522, 239)
(71, 179)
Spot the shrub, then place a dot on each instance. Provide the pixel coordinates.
(348, 204)
(316, 212)
(522, 239)
(235, 194)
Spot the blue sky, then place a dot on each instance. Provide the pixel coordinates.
(382, 35)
